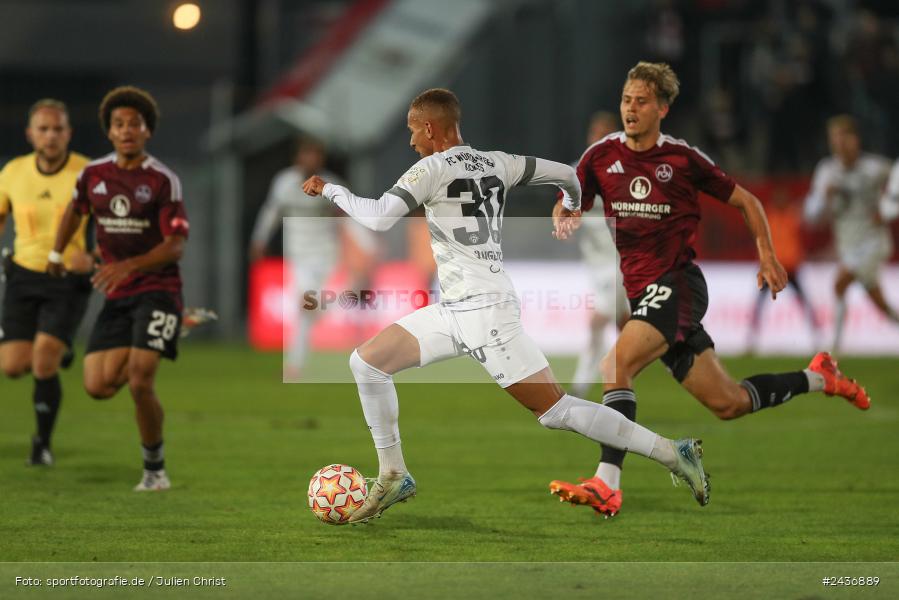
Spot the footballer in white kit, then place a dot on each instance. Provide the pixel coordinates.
(311, 241)
(848, 189)
(463, 191)
(889, 203)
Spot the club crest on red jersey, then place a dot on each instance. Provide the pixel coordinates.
(640, 187)
(664, 172)
(120, 205)
(143, 193)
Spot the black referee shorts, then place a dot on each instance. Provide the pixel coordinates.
(37, 302)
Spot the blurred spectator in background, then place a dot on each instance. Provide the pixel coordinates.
(872, 80)
(723, 131)
(666, 39)
(783, 69)
(846, 190)
(601, 258)
(312, 241)
(785, 220)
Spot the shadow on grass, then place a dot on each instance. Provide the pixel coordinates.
(95, 473)
(431, 522)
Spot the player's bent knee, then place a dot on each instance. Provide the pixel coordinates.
(14, 370)
(364, 372)
(556, 416)
(44, 370)
(140, 391)
(99, 390)
(726, 412)
(140, 383)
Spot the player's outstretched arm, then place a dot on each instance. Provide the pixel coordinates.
(548, 172)
(770, 269)
(567, 211)
(377, 214)
(67, 228)
(266, 222)
(819, 201)
(110, 275)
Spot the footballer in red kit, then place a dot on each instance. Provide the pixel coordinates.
(653, 196)
(649, 183)
(141, 228)
(135, 210)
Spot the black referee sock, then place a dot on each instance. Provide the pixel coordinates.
(153, 457)
(766, 391)
(47, 396)
(623, 400)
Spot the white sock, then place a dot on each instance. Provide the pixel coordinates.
(663, 452)
(381, 409)
(390, 460)
(815, 380)
(606, 426)
(838, 324)
(610, 474)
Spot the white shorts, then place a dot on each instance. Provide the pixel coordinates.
(609, 295)
(865, 259)
(601, 259)
(492, 335)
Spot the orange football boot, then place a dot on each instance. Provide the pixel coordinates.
(593, 492)
(837, 384)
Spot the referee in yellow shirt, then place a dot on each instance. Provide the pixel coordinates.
(40, 312)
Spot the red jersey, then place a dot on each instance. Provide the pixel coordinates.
(134, 210)
(653, 196)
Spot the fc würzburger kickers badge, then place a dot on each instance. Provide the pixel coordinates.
(664, 172)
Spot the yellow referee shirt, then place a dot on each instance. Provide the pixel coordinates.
(37, 202)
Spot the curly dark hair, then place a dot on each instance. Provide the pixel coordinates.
(131, 97)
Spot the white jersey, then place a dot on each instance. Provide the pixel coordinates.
(889, 204)
(595, 239)
(307, 238)
(463, 191)
(855, 202)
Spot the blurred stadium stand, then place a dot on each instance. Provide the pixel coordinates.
(758, 79)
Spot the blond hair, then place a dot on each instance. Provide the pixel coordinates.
(51, 103)
(660, 77)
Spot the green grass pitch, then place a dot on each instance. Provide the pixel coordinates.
(814, 481)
